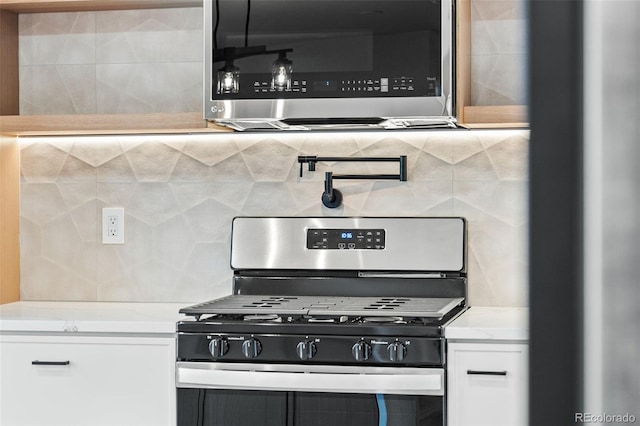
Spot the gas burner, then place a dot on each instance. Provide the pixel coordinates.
(384, 320)
(263, 318)
(388, 303)
(270, 302)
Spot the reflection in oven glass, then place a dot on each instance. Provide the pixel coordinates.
(199, 407)
(208, 407)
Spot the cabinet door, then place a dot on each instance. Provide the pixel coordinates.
(81, 380)
(487, 384)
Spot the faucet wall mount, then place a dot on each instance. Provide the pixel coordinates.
(332, 197)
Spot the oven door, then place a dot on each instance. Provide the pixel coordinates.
(220, 394)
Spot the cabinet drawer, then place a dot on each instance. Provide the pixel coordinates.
(84, 380)
(487, 384)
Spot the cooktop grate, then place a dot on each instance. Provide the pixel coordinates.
(436, 307)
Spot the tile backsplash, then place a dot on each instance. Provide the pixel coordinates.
(111, 61)
(499, 52)
(180, 192)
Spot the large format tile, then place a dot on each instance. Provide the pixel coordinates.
(181, 192)
(498, 27)
(149, 36)
(491, 156)
(499, 79)
(41, 163)
(499, 52)
(148, 87)
(41, 203)
(42, 279)
(58, 89)
(131, 61)
(57, 38)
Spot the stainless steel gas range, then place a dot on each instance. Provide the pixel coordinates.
(332, 321)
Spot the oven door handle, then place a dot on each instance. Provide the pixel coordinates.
(367, 380)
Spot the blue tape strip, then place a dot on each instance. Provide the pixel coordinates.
(382, 409)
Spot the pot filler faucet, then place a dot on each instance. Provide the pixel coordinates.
(332, 197)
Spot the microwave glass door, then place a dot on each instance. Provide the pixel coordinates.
(289, 49)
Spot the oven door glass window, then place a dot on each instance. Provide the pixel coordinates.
(209, 407)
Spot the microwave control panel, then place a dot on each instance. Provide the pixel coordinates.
(347, 87)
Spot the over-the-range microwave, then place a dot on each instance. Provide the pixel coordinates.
(304, 64)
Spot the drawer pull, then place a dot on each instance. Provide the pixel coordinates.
(50, 362)
(487, 373)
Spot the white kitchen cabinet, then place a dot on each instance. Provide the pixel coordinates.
(487, 384)
(102, 379)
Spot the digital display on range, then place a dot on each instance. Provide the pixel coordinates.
(346, 239)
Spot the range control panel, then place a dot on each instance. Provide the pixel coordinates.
(346, 239)
(310, 349)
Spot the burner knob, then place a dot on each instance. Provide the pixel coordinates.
(306, 349)
(397, 351)
(251, 348)
(218, 347)
(361, 351)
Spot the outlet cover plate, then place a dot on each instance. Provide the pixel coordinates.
(113, 225)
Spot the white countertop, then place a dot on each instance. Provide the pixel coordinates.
(477, 323)
(90, 317)
(490, 323)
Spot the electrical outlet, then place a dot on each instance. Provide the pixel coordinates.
(113, 225)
